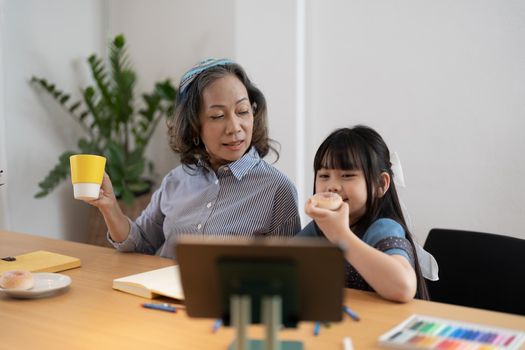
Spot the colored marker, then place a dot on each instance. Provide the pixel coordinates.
(347, 343)
(163, 307)
(317, 327)
(510, 340)
(353, 315)
(216, 325)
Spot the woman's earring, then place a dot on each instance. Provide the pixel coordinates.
(196, 141)
(254, 107)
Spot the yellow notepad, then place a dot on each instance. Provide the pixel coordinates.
(40, 261)
(159, 282)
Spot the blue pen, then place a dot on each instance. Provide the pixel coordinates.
(353, 315)
(216, 325)
(317, 327)
(162, 307)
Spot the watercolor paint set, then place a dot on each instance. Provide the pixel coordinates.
(425, 332)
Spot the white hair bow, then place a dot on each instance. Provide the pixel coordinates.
(427, 262)
(397, 170)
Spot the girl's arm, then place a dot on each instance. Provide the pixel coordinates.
(391, 276)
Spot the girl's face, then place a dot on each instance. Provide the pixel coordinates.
(226, 120)
(349, 184)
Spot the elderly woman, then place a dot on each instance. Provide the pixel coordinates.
(223, 186)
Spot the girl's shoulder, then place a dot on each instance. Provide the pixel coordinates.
(381, 229)
(309, 231)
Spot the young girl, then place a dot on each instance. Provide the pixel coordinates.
(369, 224)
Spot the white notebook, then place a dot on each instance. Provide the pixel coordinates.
(159, 282)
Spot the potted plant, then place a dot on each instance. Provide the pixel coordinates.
(114, 125)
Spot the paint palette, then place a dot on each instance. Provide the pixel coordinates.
(425, 332)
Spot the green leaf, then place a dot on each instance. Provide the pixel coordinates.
(119, 41)
(117, 187)
(88, 147)
(134, 170)
(84, 114)
(116, 153)
(166, 90)
(136, 156)
(89, 92)
(139, 187)
(64, 99)
(74, 106)
(99, 75)
(41, 194)
(127, 196)
(116, 175)
(59, 173)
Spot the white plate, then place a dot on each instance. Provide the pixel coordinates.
(46, 283)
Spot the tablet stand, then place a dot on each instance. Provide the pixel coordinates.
(271, 316)
(255, 291)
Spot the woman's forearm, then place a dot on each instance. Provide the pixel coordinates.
(117, 222)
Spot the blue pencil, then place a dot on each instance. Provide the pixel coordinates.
(317, 327)
(353, 315)
(163, 307)
(216, 325)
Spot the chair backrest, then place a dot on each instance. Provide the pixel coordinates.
(476, 269)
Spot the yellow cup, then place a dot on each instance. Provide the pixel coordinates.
(87, 171)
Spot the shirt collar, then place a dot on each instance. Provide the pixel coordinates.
(240, 167)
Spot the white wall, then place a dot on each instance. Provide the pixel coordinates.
(3, 154)
(442, 81)
(49, 39)
(269, 55)
(167, 37)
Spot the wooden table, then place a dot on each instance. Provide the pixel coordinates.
(91, 315)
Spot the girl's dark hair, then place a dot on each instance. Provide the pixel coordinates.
(362, 148)
(185, 127)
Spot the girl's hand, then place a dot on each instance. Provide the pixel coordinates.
(106, 197)
(335, 224)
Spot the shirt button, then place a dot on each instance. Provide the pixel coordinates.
(208, 205)
(226, 168)
(216, 182)
(199, 226)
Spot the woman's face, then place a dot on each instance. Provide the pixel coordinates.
(226, 120)
(349, 184)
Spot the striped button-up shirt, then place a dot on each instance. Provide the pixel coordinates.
(247, 197)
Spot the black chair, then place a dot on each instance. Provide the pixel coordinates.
(476, 269)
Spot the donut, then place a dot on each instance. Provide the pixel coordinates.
(17, 279)
(327, 200)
